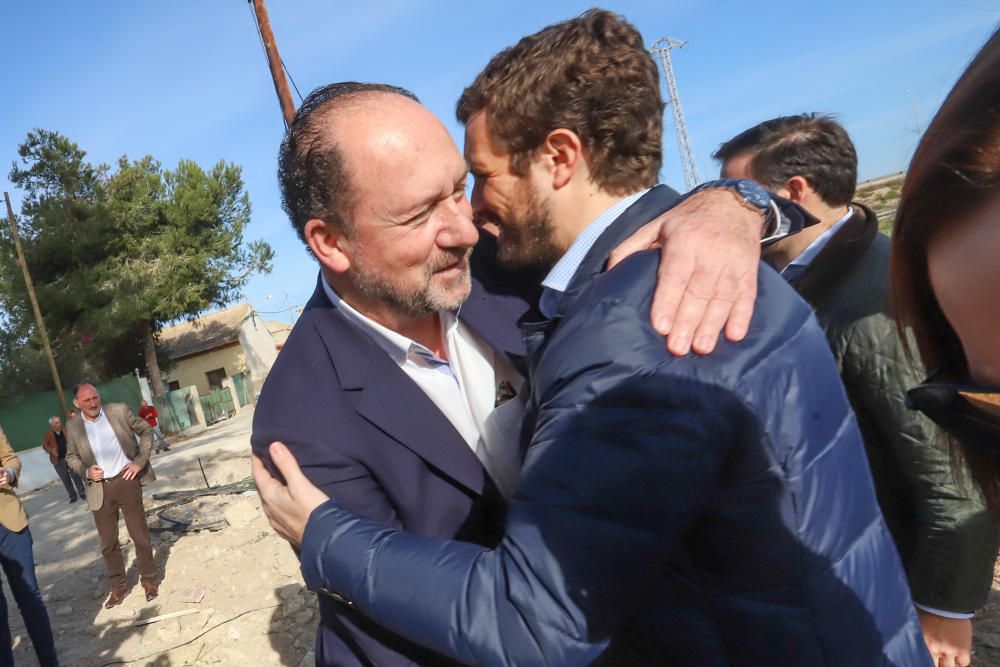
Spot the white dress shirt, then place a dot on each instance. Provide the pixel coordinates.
(104, 443)
(464, 388)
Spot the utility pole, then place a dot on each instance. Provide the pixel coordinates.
(274, 61)
(34, 304)
(662, 48)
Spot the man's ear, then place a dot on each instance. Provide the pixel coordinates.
(328, 245)
(561, 154)
(798, 188)
(75, 404)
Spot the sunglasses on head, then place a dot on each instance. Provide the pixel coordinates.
(968, 412)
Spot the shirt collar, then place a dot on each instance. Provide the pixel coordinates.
(805, 258)
(100, 415)
(395, 344)
(557, 281)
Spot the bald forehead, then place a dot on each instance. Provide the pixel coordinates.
(86, 390)
(371, 120)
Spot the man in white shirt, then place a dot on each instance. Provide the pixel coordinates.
(101, 447)
(840, 266)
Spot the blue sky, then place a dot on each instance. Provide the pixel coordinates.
(188, 79)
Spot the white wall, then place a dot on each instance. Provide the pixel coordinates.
(258, 346)
(36, 471)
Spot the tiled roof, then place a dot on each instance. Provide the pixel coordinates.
(205, 333)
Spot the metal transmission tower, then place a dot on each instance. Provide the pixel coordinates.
(662, 48)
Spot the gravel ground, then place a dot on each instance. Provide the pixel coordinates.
(255, 610)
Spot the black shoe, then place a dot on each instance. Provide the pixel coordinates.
(72, 500)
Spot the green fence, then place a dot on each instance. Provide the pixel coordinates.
(176, 410)
(218, 405)
(245, 392)
(26, 420)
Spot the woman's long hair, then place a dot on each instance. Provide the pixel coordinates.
(955, 172)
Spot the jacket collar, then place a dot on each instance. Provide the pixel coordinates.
(535, 327)
(389, 399)
(650, 205)
(842, 253)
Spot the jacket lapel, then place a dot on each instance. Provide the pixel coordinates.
(497, 300)
(650, 205)
(390, 400)
(82, 441)
(494, 319)
(535, 329)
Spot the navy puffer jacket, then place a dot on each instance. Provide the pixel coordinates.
(693, 510)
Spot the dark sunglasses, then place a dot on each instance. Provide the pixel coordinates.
(967, 412)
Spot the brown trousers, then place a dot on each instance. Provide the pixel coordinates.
(125, 495)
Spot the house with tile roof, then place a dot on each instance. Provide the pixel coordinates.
(230, 343)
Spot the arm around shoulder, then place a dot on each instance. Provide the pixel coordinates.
(599, 504)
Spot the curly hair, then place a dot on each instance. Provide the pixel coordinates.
(592, 75)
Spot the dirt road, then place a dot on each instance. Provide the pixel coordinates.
(254, 611)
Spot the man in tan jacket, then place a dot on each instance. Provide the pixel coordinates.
(18, 562)
(101, 447)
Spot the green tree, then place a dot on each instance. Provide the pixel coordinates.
(117, 253)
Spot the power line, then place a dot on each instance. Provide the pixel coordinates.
(289, 74)
(263, 49)
(279, 73)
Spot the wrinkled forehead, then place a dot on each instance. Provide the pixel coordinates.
(399, 157)
(87, 393)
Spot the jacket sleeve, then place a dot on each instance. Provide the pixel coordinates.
(621, 462)
(8, 459)
(326, 465)
(73, 459)
(142, 429)
(950, 564)
(49, 443)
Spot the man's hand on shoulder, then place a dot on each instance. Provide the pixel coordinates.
(707, 280)
(287, 506)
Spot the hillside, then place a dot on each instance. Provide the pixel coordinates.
(882, 196)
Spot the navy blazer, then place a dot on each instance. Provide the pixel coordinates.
(367, 435)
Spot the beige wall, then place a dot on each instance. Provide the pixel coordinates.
(260, 349)
(191, 370)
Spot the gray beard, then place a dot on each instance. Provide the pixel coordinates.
(417, 303)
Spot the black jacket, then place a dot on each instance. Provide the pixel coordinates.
(944, 535)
